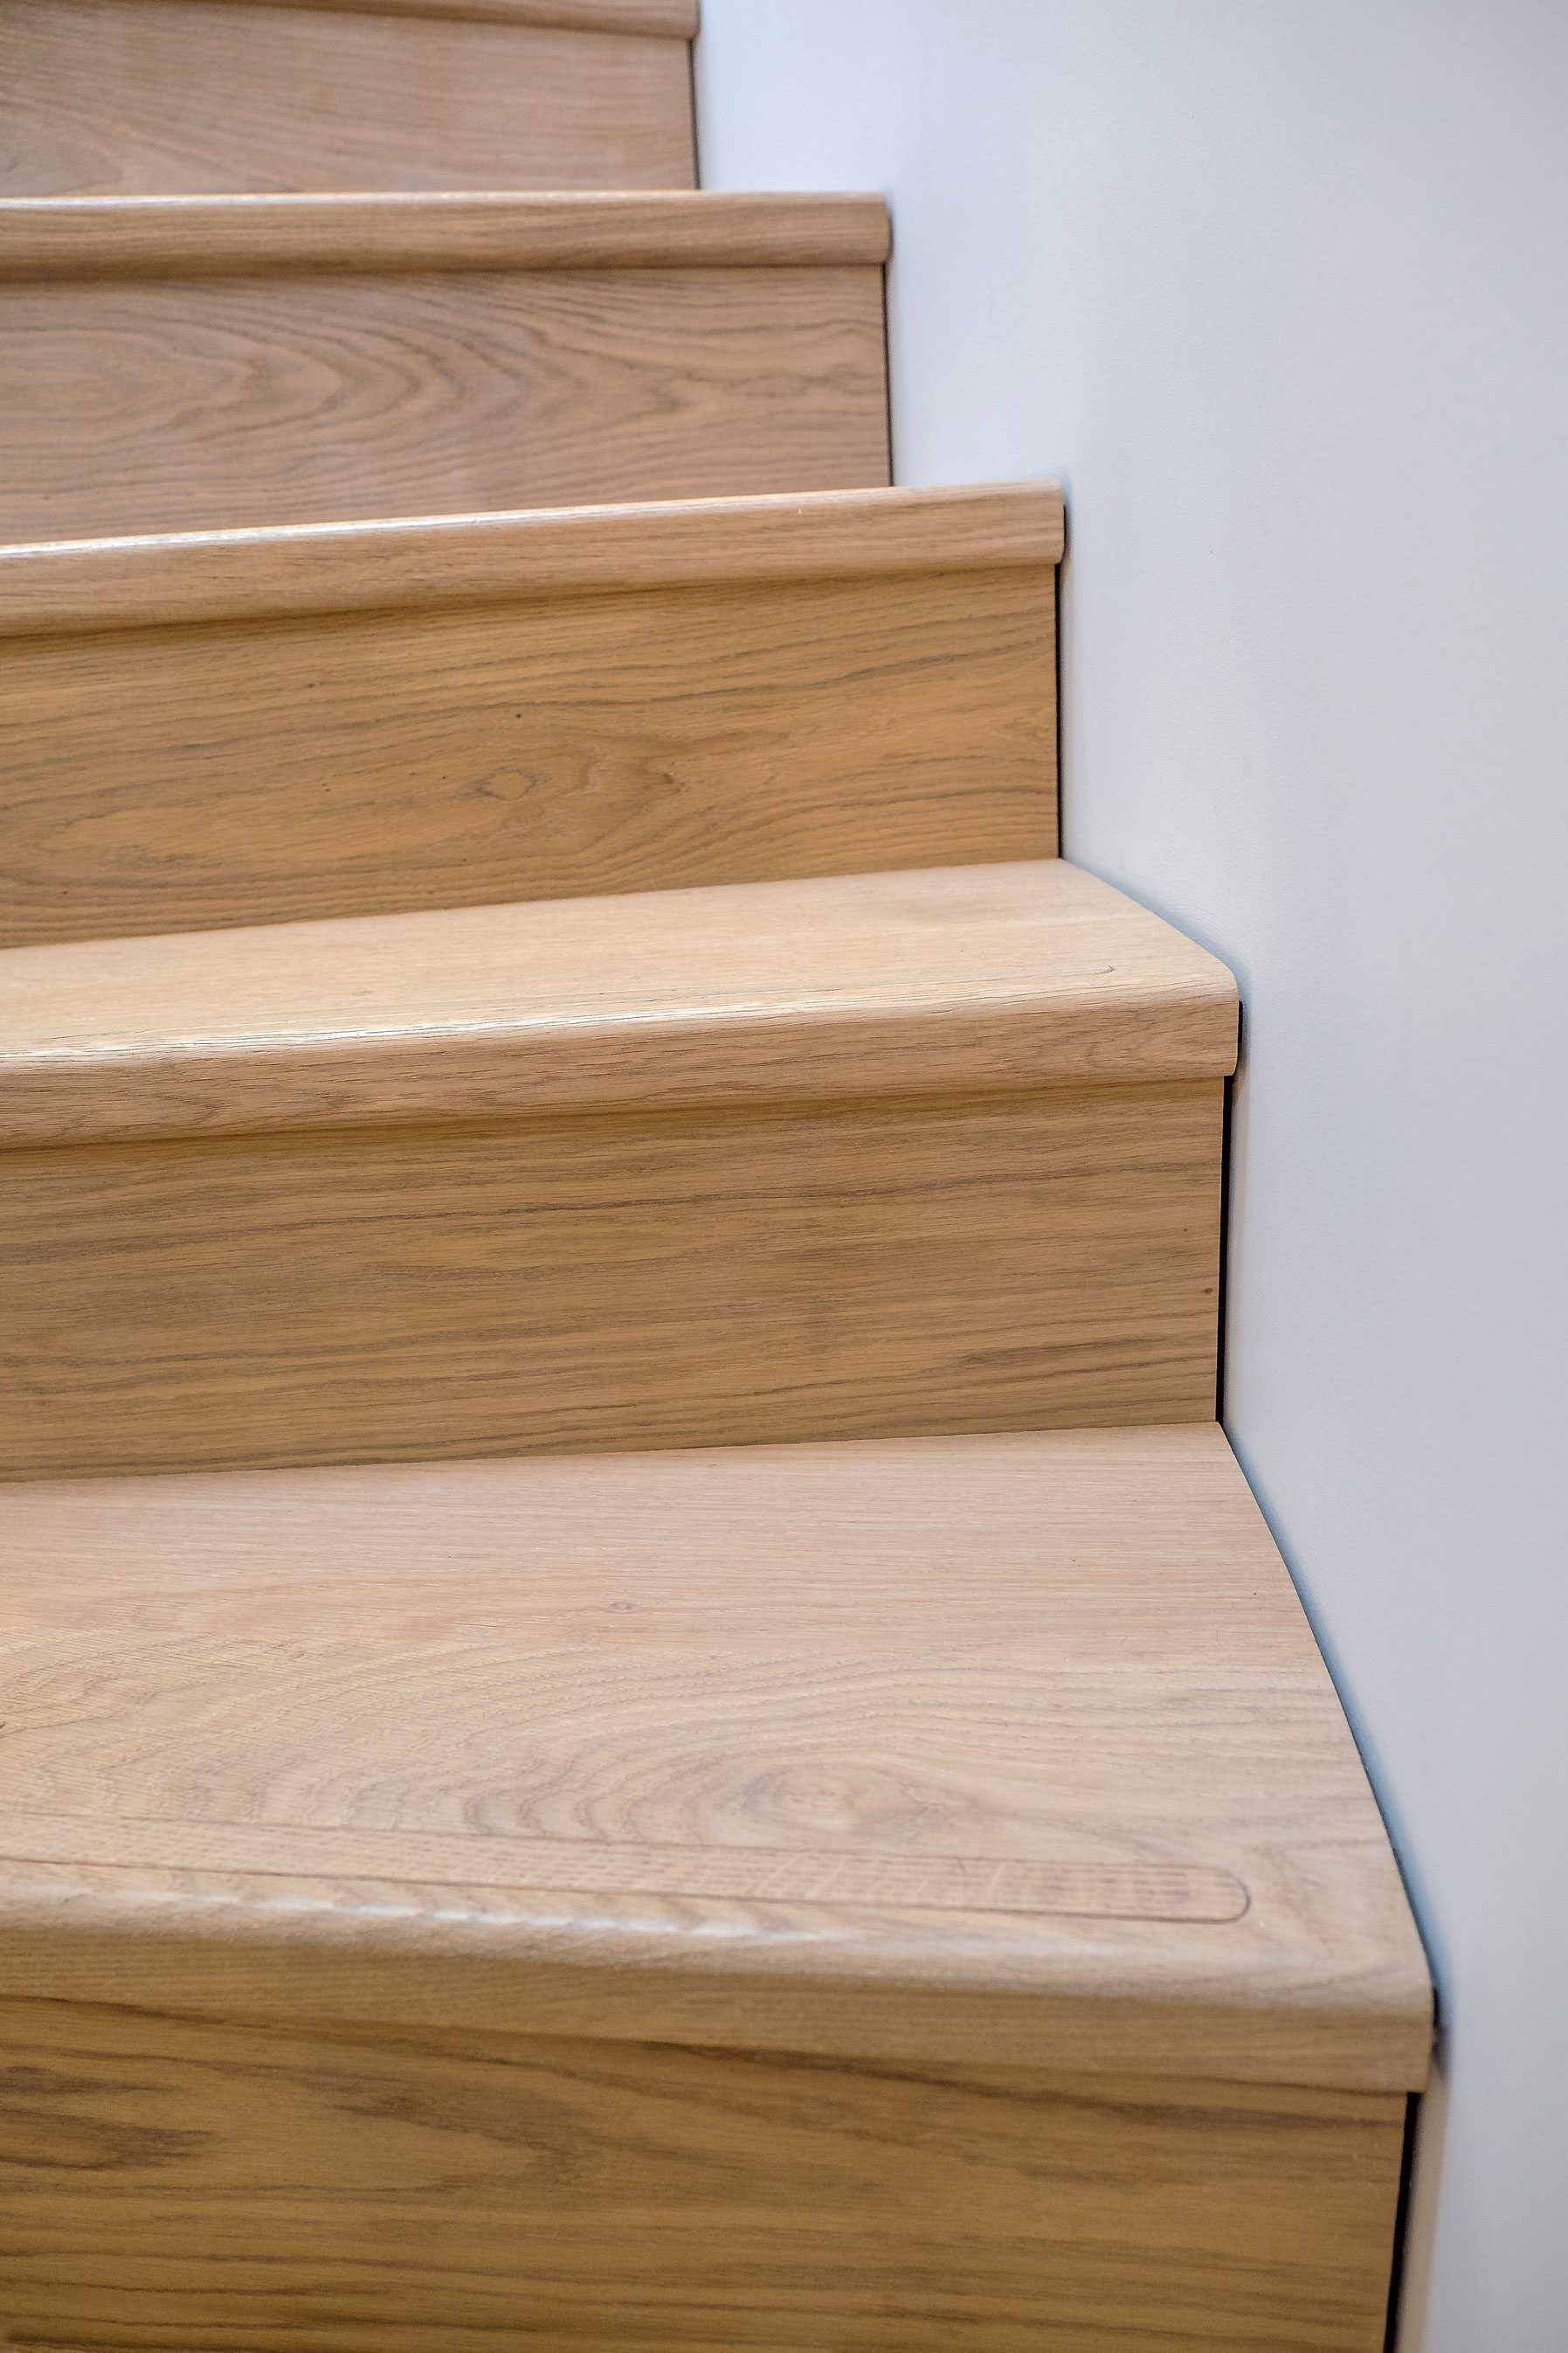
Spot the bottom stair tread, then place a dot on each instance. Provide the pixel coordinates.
(1008, 1750)
(856, 1898)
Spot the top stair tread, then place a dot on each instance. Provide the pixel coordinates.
(958, 978)
(1009, 1749)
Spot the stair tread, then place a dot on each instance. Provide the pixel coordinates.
(675, 19)
(159, 578)
(943, 979)
(997, 1748)
(97, 237)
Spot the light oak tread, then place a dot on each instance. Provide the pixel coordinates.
(934, 981)
(995, 1748)
(165, 578)
(107, 237)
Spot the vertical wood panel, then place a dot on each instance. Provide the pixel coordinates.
(678, 1280)
(173, 2182)
(177, 97)
(147, 404)
(552, 748)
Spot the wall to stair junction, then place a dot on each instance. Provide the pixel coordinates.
(1281, 291)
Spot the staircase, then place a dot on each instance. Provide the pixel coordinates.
(642, 1707)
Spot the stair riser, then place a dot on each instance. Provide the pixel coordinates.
(570, 745)
(121, 98)
(637, 2200)
(1005, 1263)
(137, 404)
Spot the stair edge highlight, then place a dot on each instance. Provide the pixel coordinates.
(656, 19)
(928, 980)
(55, 237)
(166, 578)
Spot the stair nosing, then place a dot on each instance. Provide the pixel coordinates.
(640, 19)
(110, 236)
(729, 996)
(1244, 1921)
(168, 579)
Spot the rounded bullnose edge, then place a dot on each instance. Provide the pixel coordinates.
(669, 19)
(167, 580)
(74, 238)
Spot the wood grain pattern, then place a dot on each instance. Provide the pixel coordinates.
(165, 97)
(1000, 1749)
(104, 238)
(665, 1280)
(895, 1888)
(677, 19)
(882, 985)
(990, 1888)
(151, 404)
(279, 574)
(538, 748)
(169, 2181)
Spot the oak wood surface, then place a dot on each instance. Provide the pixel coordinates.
(188, 2183)
(279, 572)
(673, 19)
(229, 774)
(116, 237)
(653, 1279)
(990, 1749)
(867, 1895)
(335, 392)
(165, 97)
(677, 19)
(957, 978)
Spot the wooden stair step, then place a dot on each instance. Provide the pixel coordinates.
(934, 1150)
(852, 1893)
(242, 728)
(195, 363)
(195, 97)
(880, 985)
(496, 976)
